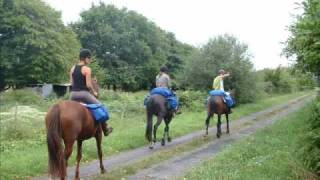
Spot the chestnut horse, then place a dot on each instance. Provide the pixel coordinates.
(157, 105)
(216, 105)
(69, 121)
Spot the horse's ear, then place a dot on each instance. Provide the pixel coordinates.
(232, 92)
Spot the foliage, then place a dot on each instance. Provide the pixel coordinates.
(304, 43)
(222, 52)
(192, 100)
(278, 81)
(128, 46)
(35, 46)
(312, 149)
(285, 80)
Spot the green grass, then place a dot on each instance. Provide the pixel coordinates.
(22, 136)
(272, 153)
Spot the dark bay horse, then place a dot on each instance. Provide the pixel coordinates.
(69, 121)
(156, 105)
(216, 105)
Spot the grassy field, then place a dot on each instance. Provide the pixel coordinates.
(22, 136)
(272, 153)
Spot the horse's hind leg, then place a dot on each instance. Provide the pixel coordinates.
(167, 125)
(219, 126)
(98, 140)
(79, 156)
(227, 118)
(155, 127)
(207, 123)
(67, 153)
(166, 132)
(149, 130)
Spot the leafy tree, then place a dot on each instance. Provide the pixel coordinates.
(35, 46)
(222, 52)
(304, 43)
(128, 46)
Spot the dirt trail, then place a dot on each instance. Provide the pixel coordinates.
(181, 164)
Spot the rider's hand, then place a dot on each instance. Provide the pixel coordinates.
(95, 94)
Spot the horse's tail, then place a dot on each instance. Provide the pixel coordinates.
(149, 120)
(57, 165)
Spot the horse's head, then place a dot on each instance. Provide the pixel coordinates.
(232, 93)
(95, 85)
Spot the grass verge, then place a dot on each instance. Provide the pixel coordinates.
(272, 153)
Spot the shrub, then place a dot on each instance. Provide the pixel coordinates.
(312, 148)
(194, 100)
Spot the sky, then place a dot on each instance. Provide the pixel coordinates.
(261, 24)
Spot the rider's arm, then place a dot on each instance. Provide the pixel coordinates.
(169, 81)
(226, 75)
(70, 75)
(87, 73)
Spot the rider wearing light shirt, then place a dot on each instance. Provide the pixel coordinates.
(218, 81)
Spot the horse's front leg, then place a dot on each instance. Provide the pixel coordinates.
(219, 126)
(79, 156)
(98, 140)
(227, 118)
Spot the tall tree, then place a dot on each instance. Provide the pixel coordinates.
(35, 46)
(222, 52)
(129, 46)
(304, 42)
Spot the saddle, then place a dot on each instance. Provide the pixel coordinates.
(171, 99)
(226, 97)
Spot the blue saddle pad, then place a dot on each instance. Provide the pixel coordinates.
(228, 99)
(98, 111)
(217, 93)
(165, 92)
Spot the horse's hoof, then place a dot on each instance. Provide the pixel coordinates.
(163, 142)
(228, 132)
(103, 171)
(151, 145)
(218, 135)
(205, 135)
(169, 139)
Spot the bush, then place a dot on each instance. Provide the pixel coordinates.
(194, 100)
(312, 148)
(22, 96)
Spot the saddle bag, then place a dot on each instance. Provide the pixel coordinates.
(99, 112)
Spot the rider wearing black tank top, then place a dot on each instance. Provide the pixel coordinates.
(80, 86)
(78, 79)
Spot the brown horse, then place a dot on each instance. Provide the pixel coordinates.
(216, 105)
(157, 105)
(69, 121)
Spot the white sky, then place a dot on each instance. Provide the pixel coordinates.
(262, 24)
